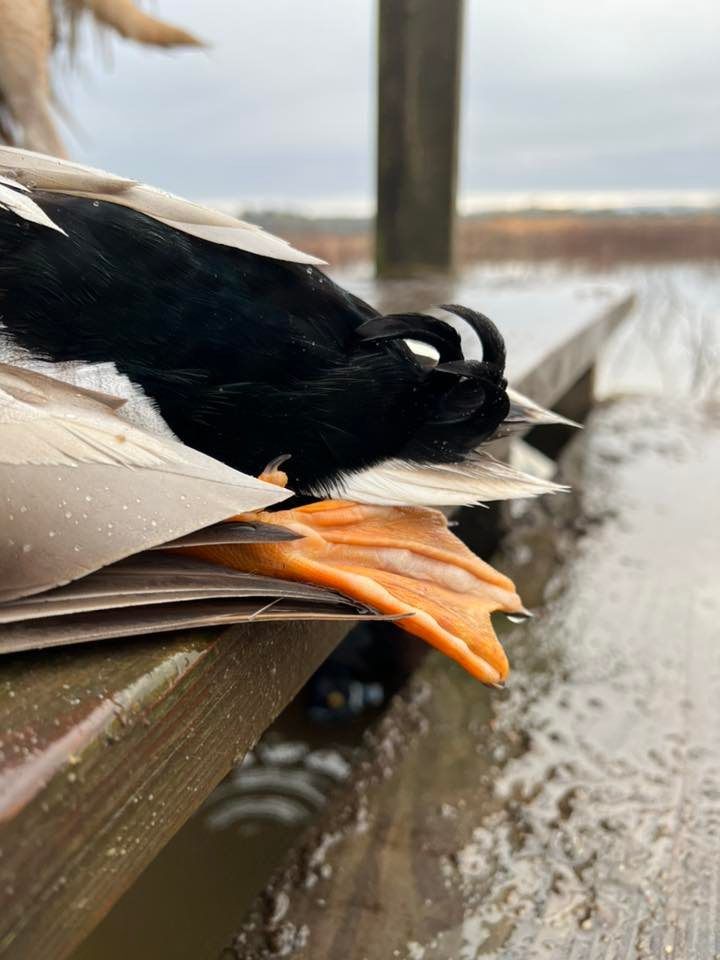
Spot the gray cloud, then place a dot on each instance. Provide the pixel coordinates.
(557, 94)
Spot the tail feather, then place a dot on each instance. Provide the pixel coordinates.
(479, 479)
(416, 330)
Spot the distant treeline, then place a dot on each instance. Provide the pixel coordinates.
(597, 238)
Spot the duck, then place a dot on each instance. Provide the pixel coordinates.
(109, 529)
(215, 335)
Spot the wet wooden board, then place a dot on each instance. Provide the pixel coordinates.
(576, 814)
(105, 752)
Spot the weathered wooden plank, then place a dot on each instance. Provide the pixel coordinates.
(564, 379)
(574, 815)
(106, 751)
(419, 53)
(551, 326)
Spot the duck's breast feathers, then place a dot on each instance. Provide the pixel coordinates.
(23, 172)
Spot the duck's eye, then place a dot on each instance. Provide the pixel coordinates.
(426, 353)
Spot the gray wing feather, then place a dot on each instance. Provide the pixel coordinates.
(164, 618)
(81, 488)
(149, 579)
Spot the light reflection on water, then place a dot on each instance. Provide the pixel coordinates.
(281, 781)
(189, 901)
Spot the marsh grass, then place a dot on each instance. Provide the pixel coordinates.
(599, 240)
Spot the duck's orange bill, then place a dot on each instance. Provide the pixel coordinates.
(398, 560)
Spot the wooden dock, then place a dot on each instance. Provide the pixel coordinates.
(106, 750)
(576, 814)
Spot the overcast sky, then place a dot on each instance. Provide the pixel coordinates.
(558, 94)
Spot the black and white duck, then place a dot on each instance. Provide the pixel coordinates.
(212, 332)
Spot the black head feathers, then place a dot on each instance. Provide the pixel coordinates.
(492, 342)
(469, 398)
(415, 326)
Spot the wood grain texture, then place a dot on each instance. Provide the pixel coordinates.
(576, 814)
(105, 751)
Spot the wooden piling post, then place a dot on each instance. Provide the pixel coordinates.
(419, 54)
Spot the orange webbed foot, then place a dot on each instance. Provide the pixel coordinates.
(402, 561)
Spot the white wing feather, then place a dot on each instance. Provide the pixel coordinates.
(13, 183)
(40, 172)
(24, 207)
(478, 480)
